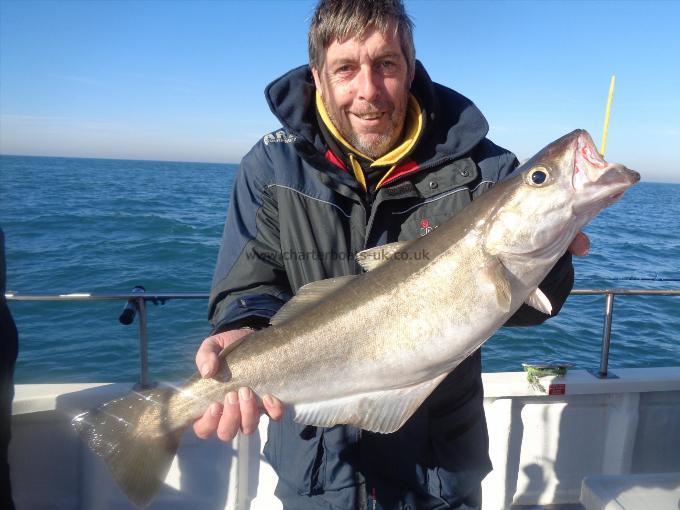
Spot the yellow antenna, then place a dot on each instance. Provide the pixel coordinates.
(606, 114)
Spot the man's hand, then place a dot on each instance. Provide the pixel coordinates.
(240, 409)
(580, 245)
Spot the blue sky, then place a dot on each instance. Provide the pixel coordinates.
(183, 80)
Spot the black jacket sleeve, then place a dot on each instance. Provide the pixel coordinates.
(250, 283)
(556, 286)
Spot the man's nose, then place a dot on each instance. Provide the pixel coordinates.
(368, 87)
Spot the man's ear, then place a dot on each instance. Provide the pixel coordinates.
(317, 80)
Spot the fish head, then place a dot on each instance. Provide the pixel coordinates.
(552, 196)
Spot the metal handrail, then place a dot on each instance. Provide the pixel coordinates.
(107, 296)
(603, 371)
(140, 299)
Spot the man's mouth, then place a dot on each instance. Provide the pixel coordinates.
(369, 115)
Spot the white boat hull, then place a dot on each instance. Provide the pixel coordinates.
(541, 446)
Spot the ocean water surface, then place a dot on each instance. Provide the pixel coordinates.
(92, 225)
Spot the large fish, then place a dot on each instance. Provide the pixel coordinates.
(367, 350)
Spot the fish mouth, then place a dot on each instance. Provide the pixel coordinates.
(597, 183)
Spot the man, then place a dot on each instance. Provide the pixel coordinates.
(371, 151)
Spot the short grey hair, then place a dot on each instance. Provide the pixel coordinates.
(341, 20)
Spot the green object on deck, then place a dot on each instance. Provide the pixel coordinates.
(536, 370)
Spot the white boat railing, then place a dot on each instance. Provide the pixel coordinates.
(137, 300)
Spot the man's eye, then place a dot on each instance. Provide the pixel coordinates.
(387, 65)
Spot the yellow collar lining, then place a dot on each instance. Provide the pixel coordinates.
(414, 126)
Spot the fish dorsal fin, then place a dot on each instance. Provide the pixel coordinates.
(379, 411)
(375, 257)
(539, 301)
(309, 295)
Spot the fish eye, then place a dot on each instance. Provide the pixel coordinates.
(538, 176)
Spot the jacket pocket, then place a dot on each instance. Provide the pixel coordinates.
(459, 476)
(295, 452)
(312, 460)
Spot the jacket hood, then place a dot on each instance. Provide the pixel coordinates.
(454, 125)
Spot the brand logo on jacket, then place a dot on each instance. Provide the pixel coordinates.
(278, 137)
(425, 227)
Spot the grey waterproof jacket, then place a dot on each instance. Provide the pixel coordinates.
(297, 216)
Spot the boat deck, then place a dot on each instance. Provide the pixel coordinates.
(541, 445)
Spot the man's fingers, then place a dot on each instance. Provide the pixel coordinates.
(273, 407)
(206, 358)
(239, 412)
(206, 425)
(236, 413)
(250, 414)
(231, 418)
(580, 245)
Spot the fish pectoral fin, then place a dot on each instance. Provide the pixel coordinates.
(379, 411)
(496, 275)
(309, 295)
(375, 257)
(539, 301)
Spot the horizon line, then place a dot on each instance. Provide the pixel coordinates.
(118, 159)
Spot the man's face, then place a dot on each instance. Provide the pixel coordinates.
(364, 86)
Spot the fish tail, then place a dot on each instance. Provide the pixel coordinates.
(134, 437)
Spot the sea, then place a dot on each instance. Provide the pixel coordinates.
(99, 226)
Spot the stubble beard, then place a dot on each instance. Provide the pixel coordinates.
(373, 145)
(378, 146)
